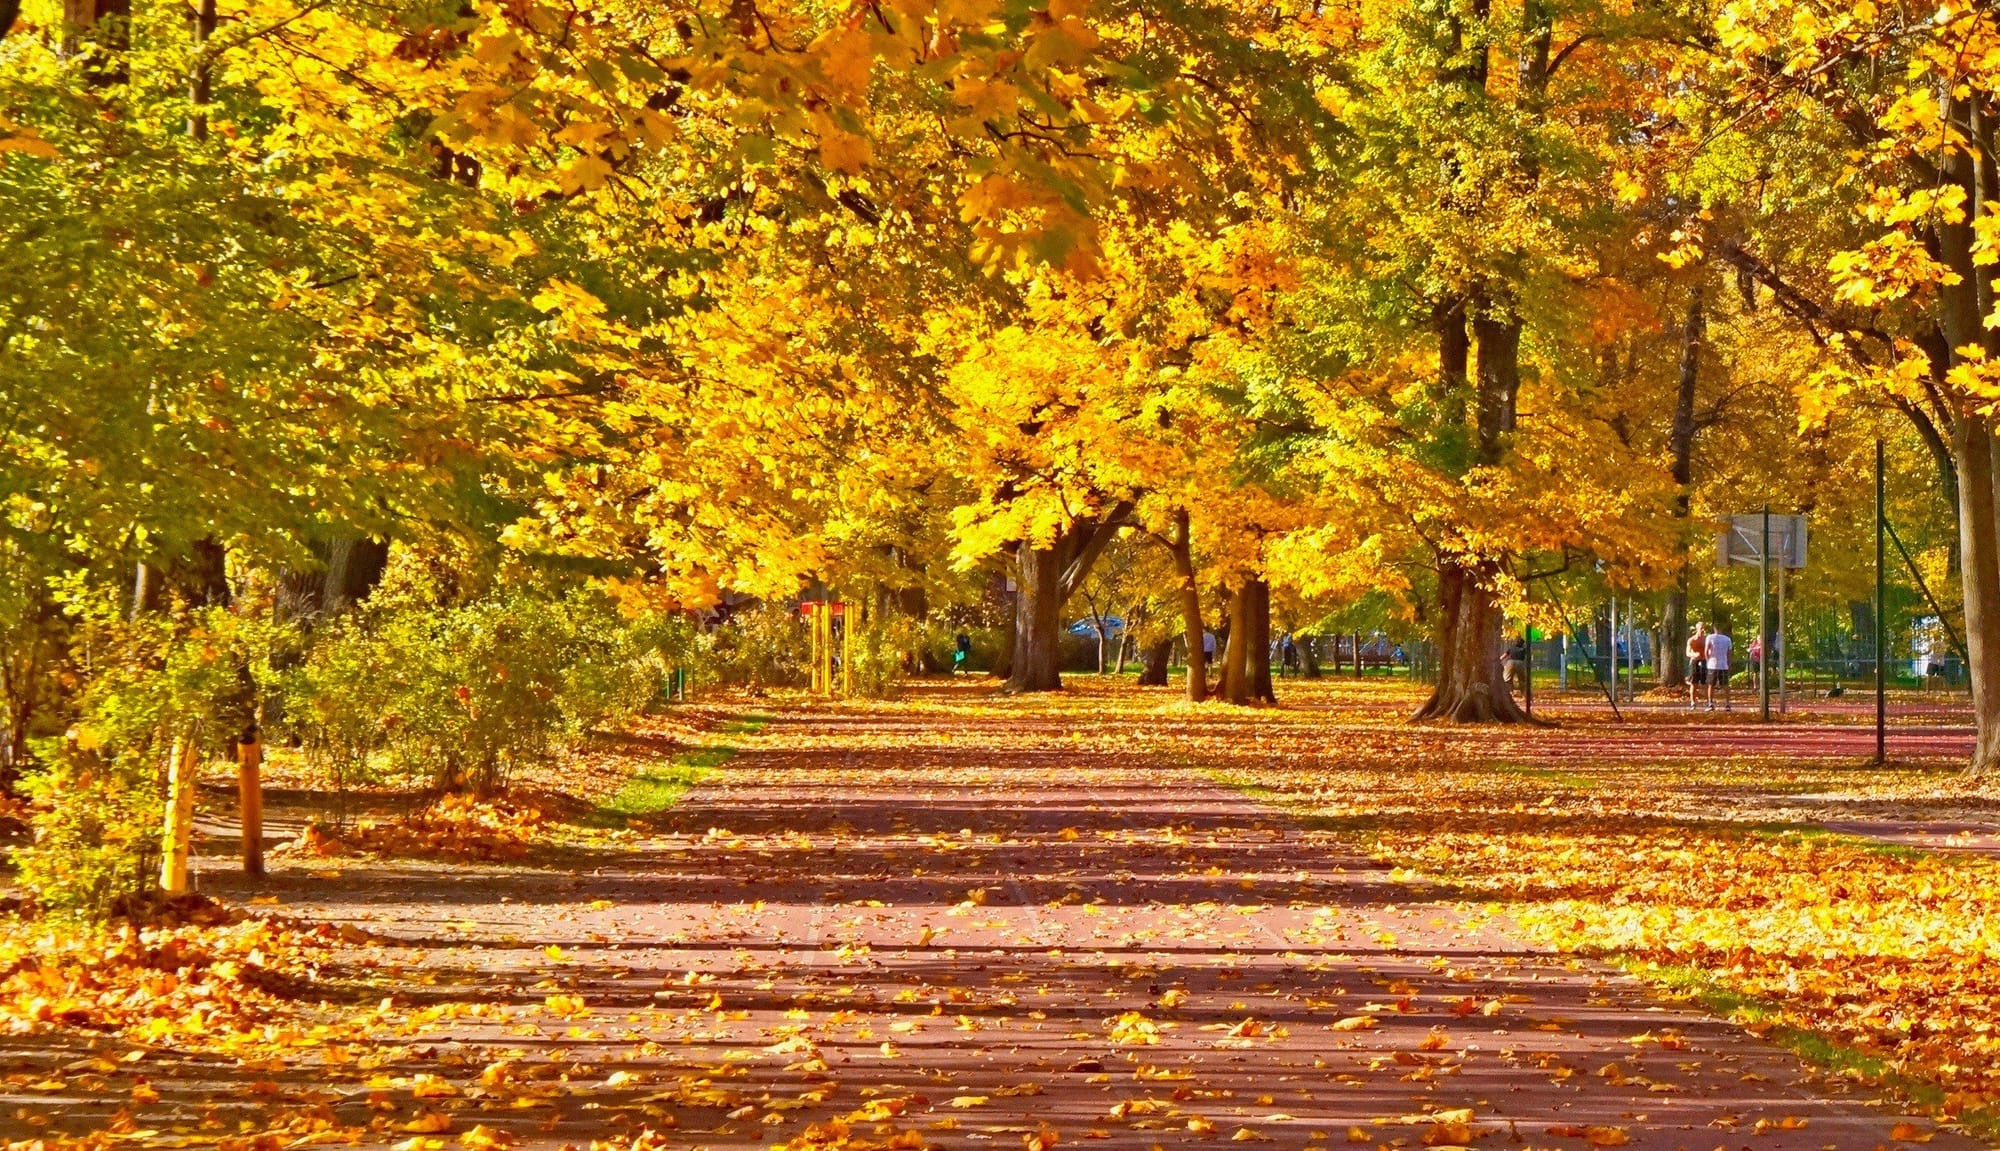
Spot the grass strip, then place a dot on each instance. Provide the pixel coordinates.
(654, 789)
(1763, 1017)
(1699, 986)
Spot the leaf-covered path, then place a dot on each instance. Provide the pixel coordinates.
(999, 925)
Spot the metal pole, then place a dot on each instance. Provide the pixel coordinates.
(1589, 652)
(1611, 653)
(1764, 620)
(1562, 663)
(1784, 700)
(1528, 670)
(1881, 679)
(1631, 655)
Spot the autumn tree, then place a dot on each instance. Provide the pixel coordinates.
(1873, 234)
(1480, 251)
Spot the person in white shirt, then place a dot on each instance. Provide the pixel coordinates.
(1717, 650)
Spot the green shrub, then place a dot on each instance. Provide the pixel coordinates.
(189, 676)
(769, 645)
(96, 837)
(882, 647)
(461, 693)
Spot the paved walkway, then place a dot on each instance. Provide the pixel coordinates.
(990, 932)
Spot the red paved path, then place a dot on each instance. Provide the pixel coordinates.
(868, 907)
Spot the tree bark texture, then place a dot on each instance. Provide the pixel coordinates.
(1182, 547)
(1470, 688)
(1674, 626)
(1048, 577)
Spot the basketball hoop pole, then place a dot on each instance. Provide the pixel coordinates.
(1764, 620)
(1881, 679)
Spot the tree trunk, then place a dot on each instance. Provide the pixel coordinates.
(200, 88)
(1962, 308)
(1674, 631)
(1037, 662)
(1470, 687)
(1153, 673)
(103, 25)
(145, 589)
(1182, 547)
(1048, 577)
(1672, 664)
(1235, 686)
(1979, 544)
(1309, 656)
(178, 832)
(1258, 640)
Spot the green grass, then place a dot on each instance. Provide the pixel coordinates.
(1547, 774)
(1704, 989)
(655, 789)
(1862, 842)
(749, 723)
(1697, 985)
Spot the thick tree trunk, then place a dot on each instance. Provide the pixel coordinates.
(1962, 308)
(1979, 545)
(1235, 686)
(1182, 547)
(1258, 639)
(1048, 577)
(1153, 672)
(1470, 687)
(1674, 630)
(1037, 662)
(1672, 663)
(104, 25)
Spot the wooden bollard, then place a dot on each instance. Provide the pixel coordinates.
(250, 800)
(178, 834)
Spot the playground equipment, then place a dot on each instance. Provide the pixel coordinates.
(831, 623)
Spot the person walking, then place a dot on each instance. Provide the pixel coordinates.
(1717, 649)
(1697, 656)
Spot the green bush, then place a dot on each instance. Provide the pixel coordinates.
(461, 693)
(769, 645)
(96, 837)
(191, 676)
(882, 647)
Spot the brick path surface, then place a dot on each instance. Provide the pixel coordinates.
(986, 932)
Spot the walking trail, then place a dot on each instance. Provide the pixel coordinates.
(902, 927)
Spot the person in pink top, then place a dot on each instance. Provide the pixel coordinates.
(1717, 648)
(1697, 654)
